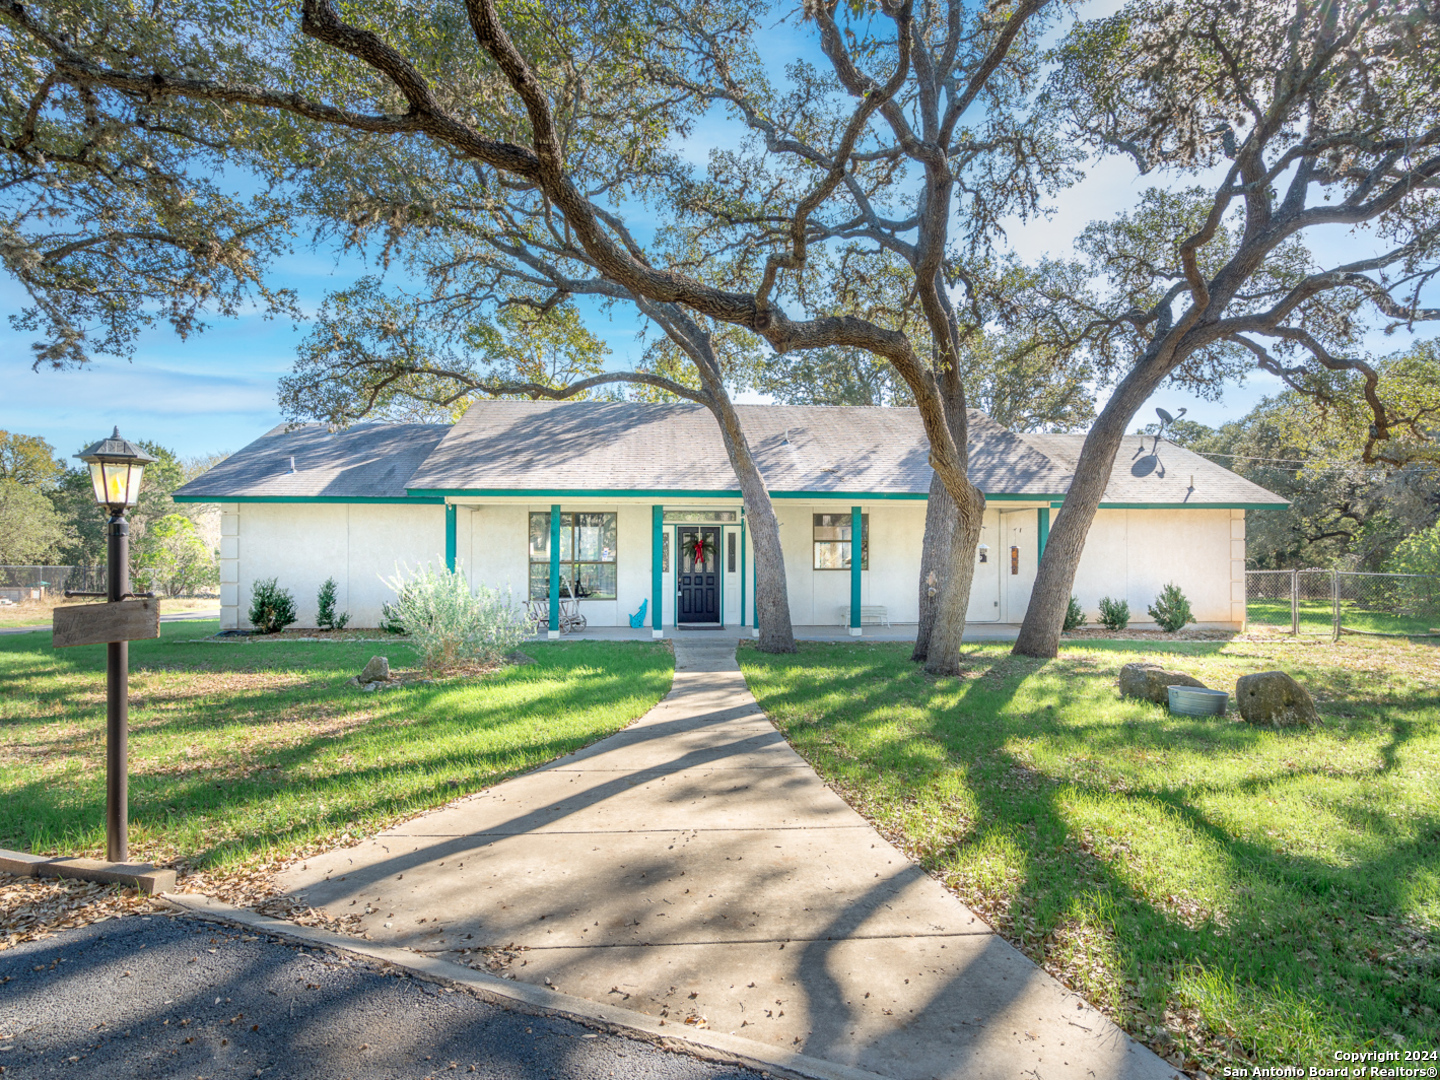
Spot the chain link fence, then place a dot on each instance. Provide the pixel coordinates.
(20, 583)
(1336, 602)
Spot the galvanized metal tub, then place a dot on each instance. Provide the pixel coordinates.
(1196, 701)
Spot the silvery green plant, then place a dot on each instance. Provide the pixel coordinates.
(451, 623)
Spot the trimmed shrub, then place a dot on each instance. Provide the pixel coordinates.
(1074, 615)
(1171, 610)
(1114, 614)
(450, 624)
(271, 607)
(325, 616)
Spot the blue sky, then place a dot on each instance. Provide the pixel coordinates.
(216, 391)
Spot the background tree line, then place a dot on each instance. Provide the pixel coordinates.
(49, 517)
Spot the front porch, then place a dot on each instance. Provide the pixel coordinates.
(900, 632)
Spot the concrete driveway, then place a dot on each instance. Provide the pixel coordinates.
(695, 868)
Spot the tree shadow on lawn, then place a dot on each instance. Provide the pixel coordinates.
(219, 777)
(1180, 905)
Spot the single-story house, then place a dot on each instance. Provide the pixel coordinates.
(636, 504)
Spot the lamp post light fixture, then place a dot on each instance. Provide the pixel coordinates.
(117, 467)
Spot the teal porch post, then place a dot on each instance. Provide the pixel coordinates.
(755, 596)
(450, 509)
(857, 548)
(742, 566)
(1043, 531)
(554, 571)
(657, 571)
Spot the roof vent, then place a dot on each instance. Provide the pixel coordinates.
(786, 440)
(292, 462)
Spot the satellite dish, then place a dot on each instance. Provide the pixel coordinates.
(1165, 417)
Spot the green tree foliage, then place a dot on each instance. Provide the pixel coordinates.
(174, 559)
(29, 526)
(1418, 553)
(381, 353)
(1343, 512)
(1286, 120)
(29, 460)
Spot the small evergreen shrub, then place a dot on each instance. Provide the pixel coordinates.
(1114, 614)
(1171, 610)
(450, 624)
(1074, 615)
(271, 607)
(325, 616)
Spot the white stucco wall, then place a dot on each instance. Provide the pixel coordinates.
(1129, 554)
(1132, 554)
(302, 544)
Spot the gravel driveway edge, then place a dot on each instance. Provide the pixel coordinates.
(712, 1046)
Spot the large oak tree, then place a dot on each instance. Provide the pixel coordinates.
(1291, 124)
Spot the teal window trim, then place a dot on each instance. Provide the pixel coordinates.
(394, 500)
(720, 566)
(755, 593)
(555, 567)
(450, 519)
(1043, 531)
(657, 569)
(857, 547)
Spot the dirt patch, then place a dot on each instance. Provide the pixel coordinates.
(1187, 634)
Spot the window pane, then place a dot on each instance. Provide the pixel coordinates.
(609, 533)
(540, 581)
(832, 555)
(588, 536)
(730, 552)
(832, 526)
(665, 553)
(540, 537)
(596, 581)
(865, 542)
(567, 537)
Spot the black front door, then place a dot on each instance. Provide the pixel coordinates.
(698, 577)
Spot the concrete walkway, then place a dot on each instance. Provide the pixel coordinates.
(693, 867)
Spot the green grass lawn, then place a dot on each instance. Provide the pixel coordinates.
(1318, 617)
(1247, 893)
(239, 751)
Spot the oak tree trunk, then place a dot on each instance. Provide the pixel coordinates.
(936, 561)
(948, 627)
(1055, 577)
(772, 598)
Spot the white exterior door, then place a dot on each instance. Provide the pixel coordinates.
(1022, 549)
(985, 589)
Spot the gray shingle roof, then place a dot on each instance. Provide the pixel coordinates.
(365, 461)
(501, 446)
(1170, 475)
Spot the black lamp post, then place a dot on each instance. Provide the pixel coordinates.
(116, 469)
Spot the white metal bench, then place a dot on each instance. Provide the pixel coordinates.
(870, 615)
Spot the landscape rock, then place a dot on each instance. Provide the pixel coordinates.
(517, 658)
(1275, 699)
(377, 670)
(1151, 682)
